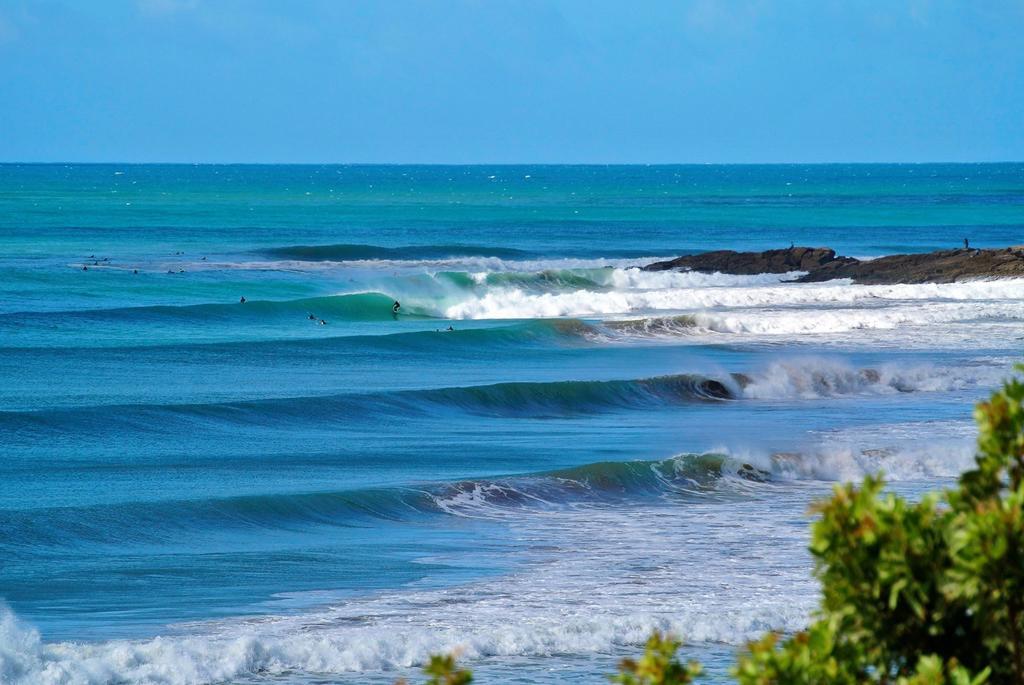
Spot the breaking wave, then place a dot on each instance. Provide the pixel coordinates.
(799, 378)
(955, 301)
(651, 304)
(533, 613)
(595, 484)
(323, 644)
(367, 306)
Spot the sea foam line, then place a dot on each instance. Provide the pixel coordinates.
(515, 303)
(579, 591)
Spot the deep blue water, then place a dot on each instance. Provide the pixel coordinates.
(592, 451)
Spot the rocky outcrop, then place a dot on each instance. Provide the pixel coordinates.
(945, 266)
(822, 264)
(769, 262)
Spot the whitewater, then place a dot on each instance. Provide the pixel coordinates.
(546, 453)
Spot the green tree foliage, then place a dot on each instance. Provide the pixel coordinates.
(658, 665)
(925, 592)
(443, 670)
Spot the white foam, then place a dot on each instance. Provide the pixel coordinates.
(823, 321)
(928, 459)
(20, 647)
(592, 579)
(265, 652)
(761, 305)
(636, 279)
(814, 377)
(514, 303)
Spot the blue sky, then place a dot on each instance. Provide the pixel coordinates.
(465, 81)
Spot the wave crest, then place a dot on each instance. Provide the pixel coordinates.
(358, 252)
(279, 648)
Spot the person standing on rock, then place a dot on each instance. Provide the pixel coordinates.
(967, 245)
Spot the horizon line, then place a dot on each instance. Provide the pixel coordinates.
(506, 164)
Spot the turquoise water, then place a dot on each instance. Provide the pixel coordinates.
(199, 490)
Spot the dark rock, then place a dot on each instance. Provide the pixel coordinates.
(822, 264)
(944, 266)
(769, 262)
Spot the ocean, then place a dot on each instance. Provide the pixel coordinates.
(542, 456)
